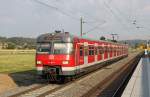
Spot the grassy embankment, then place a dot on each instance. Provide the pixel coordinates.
(16, 60)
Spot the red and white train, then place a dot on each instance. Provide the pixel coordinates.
(61, 55)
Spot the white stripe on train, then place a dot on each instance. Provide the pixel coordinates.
(87, 65)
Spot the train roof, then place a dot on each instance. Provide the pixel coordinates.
(66, 37)
(104, 41)
(55, 36)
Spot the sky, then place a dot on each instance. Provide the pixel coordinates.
(30, 18)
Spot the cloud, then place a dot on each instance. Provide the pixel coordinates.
(24, 17)
(146, 8)
(7, 20)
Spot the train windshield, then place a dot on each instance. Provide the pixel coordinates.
(63, 48)
(44, 48)
(56, 48)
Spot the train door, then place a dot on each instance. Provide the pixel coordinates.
(79, 57)
(85, 52)
(100, 53)
(105, 52)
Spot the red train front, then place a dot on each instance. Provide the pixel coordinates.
(61, 55)
(55, 55)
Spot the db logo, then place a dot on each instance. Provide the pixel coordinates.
(51, 57)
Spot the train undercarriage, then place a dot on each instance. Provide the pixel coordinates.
(54, 74)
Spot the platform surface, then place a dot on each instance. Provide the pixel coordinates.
(139, 84)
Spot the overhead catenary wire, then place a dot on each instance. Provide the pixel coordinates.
(88, 21)
(133, 20)
(117, 17)
(71, 15)
(56, 9)
(68, 13)
(95, 27)
(128, 20)
(92, 19)
(120, 14)
(114, 14)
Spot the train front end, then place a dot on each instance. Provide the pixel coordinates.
(54, 55)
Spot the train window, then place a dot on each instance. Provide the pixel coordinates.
(101, 51)
(105, 49)
(91, 50)
(63, 48)
(44, 48)
(110, 49)
(81, 51)
(114, 49)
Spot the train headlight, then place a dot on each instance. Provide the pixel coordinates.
(65, 62)
(38, 62)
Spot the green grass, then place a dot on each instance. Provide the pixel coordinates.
(16, 61)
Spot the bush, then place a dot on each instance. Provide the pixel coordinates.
(11, 45)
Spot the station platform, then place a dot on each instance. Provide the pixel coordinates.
(139, 84)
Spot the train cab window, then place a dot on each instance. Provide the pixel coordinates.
(43, 48)
(81, 51)
(63, 48)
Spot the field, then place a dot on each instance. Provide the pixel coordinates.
(19, 60)
(16, 60)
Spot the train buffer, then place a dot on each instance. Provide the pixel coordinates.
(139, 84)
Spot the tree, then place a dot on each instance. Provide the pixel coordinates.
(114, 40)
(102, 38)
(11, 45)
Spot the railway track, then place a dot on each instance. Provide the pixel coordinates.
(28, 90)
(45, 89)
(34, 91)
(114, 84)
